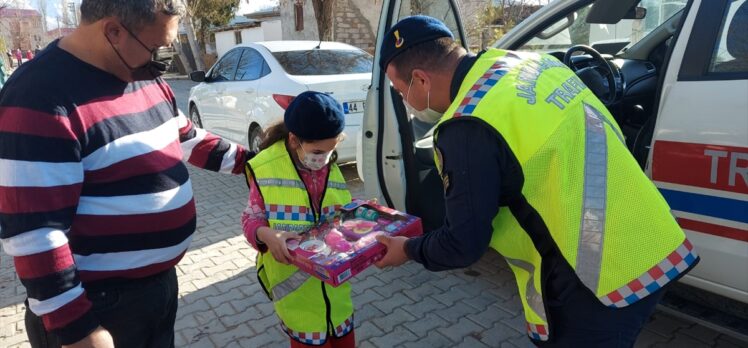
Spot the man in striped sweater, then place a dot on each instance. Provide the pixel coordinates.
(96, 205)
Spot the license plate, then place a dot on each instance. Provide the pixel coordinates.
(353, 107)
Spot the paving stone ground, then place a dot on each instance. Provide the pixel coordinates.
(222, 305)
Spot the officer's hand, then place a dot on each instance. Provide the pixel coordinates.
(276, 243)
(395, 255)
(99, 338)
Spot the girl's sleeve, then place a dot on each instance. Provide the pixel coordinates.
(254, 217)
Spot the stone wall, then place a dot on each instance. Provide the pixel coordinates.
(354, 22)
(352, 27)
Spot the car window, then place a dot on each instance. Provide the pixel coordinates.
(251, 66)
(731, 51)
(324, 62)
(624, 33)
(226, 67)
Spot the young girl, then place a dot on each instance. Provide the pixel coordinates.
(294, 183)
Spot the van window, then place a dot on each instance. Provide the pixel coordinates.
(731, 51)
(624, 33)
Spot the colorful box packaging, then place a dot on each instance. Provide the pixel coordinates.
(336, 250)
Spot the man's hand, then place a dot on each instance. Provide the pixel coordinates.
(99, 338)
(395, 255)
(276, 243)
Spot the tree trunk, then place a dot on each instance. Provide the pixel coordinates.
(190, 29)
(42, 4)
(323, 13)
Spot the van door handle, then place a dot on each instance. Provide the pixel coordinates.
(394, 158)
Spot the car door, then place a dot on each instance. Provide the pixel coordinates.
(699, 157)
(241, 95)
(213, 110)
(397, 153)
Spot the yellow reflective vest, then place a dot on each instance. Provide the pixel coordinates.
(584, 194)
(309, 309)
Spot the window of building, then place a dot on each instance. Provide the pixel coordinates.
(298, 11)
(238, 37)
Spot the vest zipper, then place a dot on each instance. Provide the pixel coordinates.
(330, 331)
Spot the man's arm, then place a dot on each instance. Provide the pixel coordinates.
(203, 149)
(41, 176)
(478, 169)
(207, 151)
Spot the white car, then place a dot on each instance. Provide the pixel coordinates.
(678, 89)
(249, 88)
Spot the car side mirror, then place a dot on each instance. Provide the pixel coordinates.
(197, 76)
(637, 12)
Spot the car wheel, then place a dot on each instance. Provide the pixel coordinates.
(254, 138)
(195, 117)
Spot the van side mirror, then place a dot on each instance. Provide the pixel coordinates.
(637, 12)
(197, 76)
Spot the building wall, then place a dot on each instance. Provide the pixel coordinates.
(272, 30)
(252, 35)
(23, 32)
(356, 22)
(224, 42)
(268, 31)
(351, 26)
(310, 31)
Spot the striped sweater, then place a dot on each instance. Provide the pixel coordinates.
(92, 182)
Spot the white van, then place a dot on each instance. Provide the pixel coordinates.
(679, 92)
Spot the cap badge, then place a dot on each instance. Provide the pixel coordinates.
(398, 40)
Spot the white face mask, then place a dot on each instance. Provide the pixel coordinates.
(427, 115)
(315, 161)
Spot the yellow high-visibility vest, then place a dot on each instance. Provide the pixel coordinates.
(583, 194)
(309, 309)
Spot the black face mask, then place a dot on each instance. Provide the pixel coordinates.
(152, 68)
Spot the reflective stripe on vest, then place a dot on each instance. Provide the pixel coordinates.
(480, 88)
(297, 183)
(289, 285)
(318, 338)
(330, 210)
(534, 300)
(281, 183)
(592, 228)
(297, 213)
(288, 212)
(659, 275)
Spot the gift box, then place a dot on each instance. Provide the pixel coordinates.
(345, 245)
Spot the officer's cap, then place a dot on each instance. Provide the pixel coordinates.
(409, 32)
